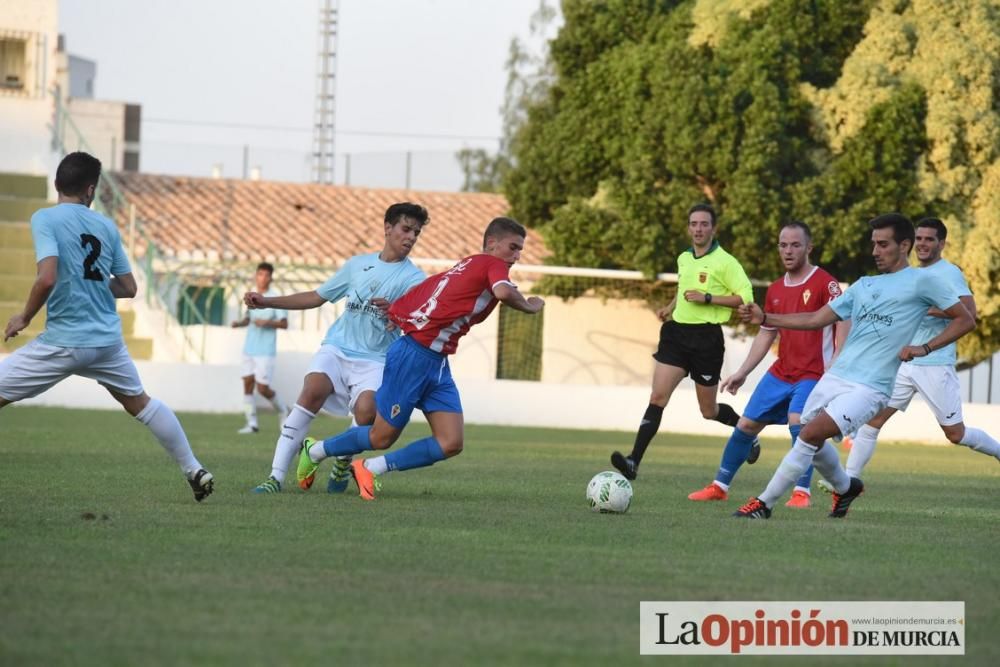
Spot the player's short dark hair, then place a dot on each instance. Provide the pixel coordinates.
(935, 224)
(707, 208)
(77, 172)
(798, 224)
(902, 228)
(266, 266)
(406, 209)
(500, 227)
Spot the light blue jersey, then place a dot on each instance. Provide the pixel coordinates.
(81, 309)
(263, 341)
(885, 313)
(360, 332)
(931, 326)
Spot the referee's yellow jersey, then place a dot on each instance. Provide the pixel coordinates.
(717, 273)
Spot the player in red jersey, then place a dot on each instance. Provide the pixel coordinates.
(803, 356)
(433, 316)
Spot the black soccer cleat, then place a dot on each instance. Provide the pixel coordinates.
(753, 509)
(625, 465)
(842, 502)
(202, 484)
(754, 452)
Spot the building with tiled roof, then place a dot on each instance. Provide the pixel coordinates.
(247, 220)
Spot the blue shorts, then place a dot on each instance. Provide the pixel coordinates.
(774, 399)
(415, 377)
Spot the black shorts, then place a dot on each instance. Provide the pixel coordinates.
(697, 348)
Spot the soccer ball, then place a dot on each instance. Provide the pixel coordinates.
(609, 492)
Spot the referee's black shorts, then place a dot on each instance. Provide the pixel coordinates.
(697, 348)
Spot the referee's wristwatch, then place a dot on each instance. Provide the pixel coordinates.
(708, 298)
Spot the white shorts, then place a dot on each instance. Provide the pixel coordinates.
(851, 405)
(37, 367)
(349, 376)
(937, 384)
(261, 368)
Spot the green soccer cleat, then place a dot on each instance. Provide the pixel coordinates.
(340, 475)
(270, 485)
(306, 470)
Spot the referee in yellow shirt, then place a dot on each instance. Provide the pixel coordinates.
(710, 284)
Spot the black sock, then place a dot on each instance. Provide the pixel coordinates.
(727, 415)
(647, 429)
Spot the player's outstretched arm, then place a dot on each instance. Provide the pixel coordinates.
(752, 314)
(45, 280)
(961, 324)
(123, 286)
(511, 296)
(762, 342)
(300, 301)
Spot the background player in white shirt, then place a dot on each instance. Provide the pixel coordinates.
(82, 269)
(259, 351)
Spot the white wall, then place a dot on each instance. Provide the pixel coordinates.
(217, 388)
(23, 131)
(102, 124)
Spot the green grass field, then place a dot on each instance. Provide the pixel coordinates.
(493, 557)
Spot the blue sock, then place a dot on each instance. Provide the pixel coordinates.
(733, 456)
(351, 441)
(806, 480)
(417, 454)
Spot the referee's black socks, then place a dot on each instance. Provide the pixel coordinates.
(727, 415)
(647, 429)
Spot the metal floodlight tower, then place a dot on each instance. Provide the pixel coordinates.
(326, 71)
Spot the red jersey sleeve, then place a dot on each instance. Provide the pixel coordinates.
(497, 271)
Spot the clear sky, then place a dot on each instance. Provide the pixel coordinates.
(412, 75)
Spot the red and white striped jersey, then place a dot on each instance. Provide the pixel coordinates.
(802, 355)
(442, 309)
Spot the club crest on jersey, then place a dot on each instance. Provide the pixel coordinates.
(702, 277)
(394, 411)
(805, 297)
(833, 288)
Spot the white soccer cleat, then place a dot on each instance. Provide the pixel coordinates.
(248, 429)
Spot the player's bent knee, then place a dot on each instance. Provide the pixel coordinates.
(954, 434)
(364, 415)
(451, 449)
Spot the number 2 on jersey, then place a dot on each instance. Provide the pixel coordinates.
(90, 272)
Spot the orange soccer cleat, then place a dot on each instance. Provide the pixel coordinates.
(799, 499)
(366, 481)
(711, 492)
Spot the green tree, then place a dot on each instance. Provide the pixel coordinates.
(828, 111)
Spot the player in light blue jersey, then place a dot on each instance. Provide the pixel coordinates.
(885, 313)
(932, 376)
(259, 350)
(82, 269)
(347, 370)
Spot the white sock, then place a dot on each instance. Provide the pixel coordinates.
(278, 406)
(803, 490)
(721, 485)
(789, 470)
(862, 450)
(317, 452)
(377, 465)
(827, 463)
(980, 441)
(293, 431)
(162, 421)
(250, 410)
